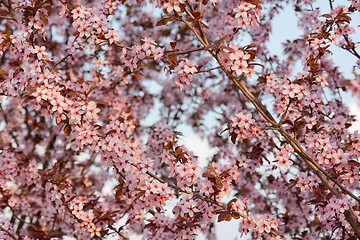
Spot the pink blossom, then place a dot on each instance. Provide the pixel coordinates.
(184, 71)
(90, 110)
(40, 52)
(243, 125)
(79, 12)
(318, 44)
(173, 5)
(248, 15)
(291, 90)
(283, 158)
(112, 36)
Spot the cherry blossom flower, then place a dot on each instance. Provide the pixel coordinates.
(322, 80)
(187, 206)
(291, 90)
(90, 110)
(248, 14)
(184, 71)
(283, 159)
(243, 125)
(94, 230)
(311, 122)
(79, 12)
(173, 5)
(339, 156)
(236, 60)
(40, 52)
(112, 36)
(318, 44)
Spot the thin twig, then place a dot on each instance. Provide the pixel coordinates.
(186, 51)
(284, 114)
(62, 60)
(208, 70)
(8, 233)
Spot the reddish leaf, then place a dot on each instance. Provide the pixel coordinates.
(196, 15)
(326, 16)
(67, 129)
(207, 175)
(3, 73)
(173, 45)
(211, 168)
(228, 206)
(235, 215)
(233, 137)
(163, 21)
(224, 216)
(354, 163)
(293, 182)
(172, 59)
(218, 183)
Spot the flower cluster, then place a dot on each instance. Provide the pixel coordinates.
(183, 73)
(159, 137)
(247, 14)
(9, 168)
(243, 126)
(40, 53)
(237, 60)
(282, 157)
(187, 207)
(306, 183)
(261, 224)
(173, 5)
(136, 53)
(86, 23)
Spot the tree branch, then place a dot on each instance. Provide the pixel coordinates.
(313, 165)
(8, 233)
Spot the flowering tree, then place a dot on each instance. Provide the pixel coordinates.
(78, 82)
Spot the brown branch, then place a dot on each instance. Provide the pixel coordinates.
(194, 31)
(7, 18)
(284, 113)
(62, 60)
(352, 219)
(197, 21)
(313, 165)
(208, 70)
(352, 49)
(186, 51)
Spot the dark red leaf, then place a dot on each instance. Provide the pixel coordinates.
(224, 216)
(163, 21)
(173, 45)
